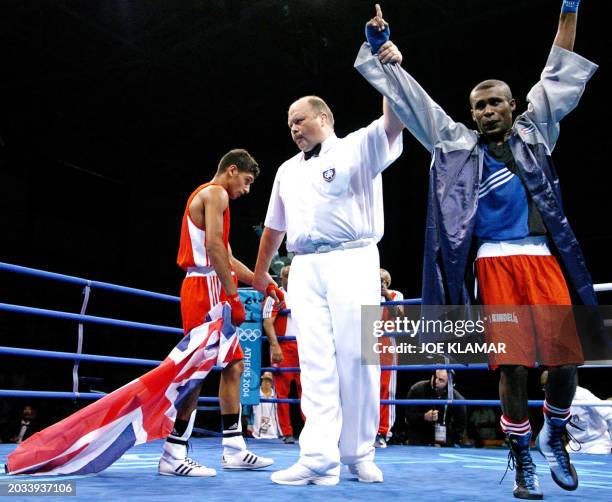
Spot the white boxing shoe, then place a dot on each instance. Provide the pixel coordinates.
(367, 472)
(175, 462)
(169, 466)
(299, 474)
(245, 459)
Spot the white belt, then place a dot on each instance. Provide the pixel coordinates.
(326, 247)
(535, 245)
(200, 272)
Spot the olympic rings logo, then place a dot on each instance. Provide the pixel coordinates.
(248, 335)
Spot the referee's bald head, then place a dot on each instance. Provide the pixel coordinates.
(318, 106)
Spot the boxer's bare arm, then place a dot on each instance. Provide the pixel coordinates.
(213, 201)
(277, 353)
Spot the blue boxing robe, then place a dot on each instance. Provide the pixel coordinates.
(457, 163)
(456, 171)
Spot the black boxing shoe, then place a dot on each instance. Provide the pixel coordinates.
(526, 483)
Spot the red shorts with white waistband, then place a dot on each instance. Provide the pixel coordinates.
(542, 330)
(198, 295)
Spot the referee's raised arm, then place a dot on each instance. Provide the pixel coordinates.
(377, 33)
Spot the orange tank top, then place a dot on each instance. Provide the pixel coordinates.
(192, 246)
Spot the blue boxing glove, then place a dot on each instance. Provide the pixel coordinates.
(570, 6)
(377, 38)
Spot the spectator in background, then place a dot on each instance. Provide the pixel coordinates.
(264, 423)
(388, 379)
(441, 425)
(282, 355)
(22, 428)
(590, 428)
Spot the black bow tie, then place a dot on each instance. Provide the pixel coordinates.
(313, 153)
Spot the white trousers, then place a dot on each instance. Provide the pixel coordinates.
(340, 396)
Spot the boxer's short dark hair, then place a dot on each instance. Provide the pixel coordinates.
(241, 159)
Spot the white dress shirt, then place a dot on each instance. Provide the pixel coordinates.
(337, 196)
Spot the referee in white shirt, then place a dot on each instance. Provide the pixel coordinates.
(327, 199)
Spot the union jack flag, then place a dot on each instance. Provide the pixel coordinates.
(92, 439)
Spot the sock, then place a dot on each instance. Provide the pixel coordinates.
(551, 411)
(181, 432)
(233, 442)
(520, 428)
(180, 426)
(182, 429)
(176, 442)
(231, 424)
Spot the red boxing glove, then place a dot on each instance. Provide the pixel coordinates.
(279, 292)
(238, 312)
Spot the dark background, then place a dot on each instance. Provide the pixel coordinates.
(112, 112)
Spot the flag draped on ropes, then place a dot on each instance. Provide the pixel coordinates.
(91, 439)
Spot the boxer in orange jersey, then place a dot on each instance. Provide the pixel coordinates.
(388, 379)
(212, 275)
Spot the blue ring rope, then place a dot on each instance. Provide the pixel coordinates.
(9, 267)
(73, 395)
(400, 402)
(18, 269)
(167, 329)
(18, 351)
(407, 301)
(20, 309)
